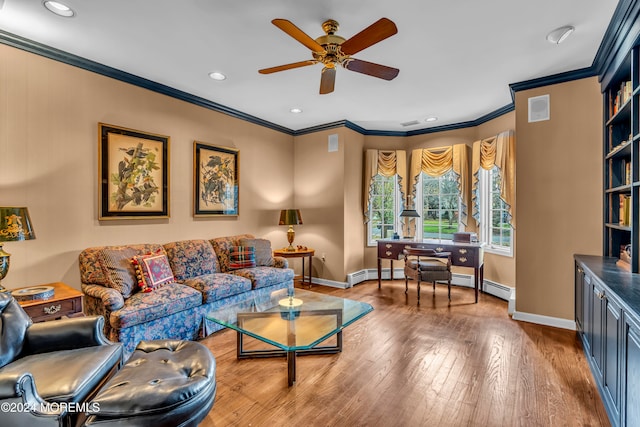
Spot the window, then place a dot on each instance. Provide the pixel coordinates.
(440, 205)
(495, 229)
(383, 208)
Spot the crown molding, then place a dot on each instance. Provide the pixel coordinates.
(552, 79)
(622, 34)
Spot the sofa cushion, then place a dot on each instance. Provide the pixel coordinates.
(191, 258)
(118, 270)
(264, 254)
(217, 286)
(92, 266)
(77, 372)
(144, 307)
(223, 245)
(242, 257)
(265, 276)
(152, 270)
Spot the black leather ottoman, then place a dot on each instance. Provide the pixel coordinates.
(164, 383)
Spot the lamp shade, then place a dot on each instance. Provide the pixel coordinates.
(15, 224)
(410, 213)
(290, 217)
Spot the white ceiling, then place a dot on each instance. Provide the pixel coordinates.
(456, 57)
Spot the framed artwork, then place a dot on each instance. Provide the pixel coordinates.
(216, 180)
(133, 168)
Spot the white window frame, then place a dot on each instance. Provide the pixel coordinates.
(484, 195)
(397, 206)
(418, 203)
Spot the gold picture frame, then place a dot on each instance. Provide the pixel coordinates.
(215, 180)
(133, 171)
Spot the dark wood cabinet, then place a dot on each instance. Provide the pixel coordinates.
(631, 374)
(608, 323)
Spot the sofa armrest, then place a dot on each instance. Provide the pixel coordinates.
(66, 334)
(19, 389)
(112, 299)
(280, 262)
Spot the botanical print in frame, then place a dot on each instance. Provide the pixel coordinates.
(133, 167)
(216, 180)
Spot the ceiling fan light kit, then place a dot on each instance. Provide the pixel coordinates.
(331, 50)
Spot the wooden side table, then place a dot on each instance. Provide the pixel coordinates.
(66, 301)
(298, 253)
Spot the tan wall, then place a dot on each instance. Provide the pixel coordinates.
(559, 194)
(49, 114)
(319, 178)
(355, 240)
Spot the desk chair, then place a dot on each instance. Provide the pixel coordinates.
(426, 265)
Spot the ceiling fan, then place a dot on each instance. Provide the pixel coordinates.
(332, 49)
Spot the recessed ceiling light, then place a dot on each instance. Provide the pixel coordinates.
(431, 119)
(296, 110)
(217, 76)
(59, 8)
(559, 35)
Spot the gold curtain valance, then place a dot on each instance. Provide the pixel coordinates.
(436, 162)
(499, 150)
(386, 163)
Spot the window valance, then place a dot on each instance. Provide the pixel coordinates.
(437, 161)
(499, 150)
(386, 163)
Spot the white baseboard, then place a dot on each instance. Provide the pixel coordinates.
(545, 320)
(492, 288)
(331, 283)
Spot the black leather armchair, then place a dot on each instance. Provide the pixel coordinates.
(49, 370)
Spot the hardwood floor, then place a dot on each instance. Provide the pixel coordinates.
(433, 364)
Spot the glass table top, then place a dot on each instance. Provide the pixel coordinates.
(291, 319)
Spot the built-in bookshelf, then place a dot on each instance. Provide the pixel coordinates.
(621, 148)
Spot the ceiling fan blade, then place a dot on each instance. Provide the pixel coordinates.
(371, 69)
(295, 32)
(374, 33)
(287, 66)
(328, 80)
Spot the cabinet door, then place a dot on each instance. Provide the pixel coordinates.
(632, 375)
(597, 341)
(612, 329)
(587, 311)
(579, 298)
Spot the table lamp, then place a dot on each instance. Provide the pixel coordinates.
(15, 225)
(409, 213)
(290, 217)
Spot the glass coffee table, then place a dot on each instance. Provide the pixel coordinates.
(294, 321)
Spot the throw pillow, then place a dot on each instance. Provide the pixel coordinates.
(153, 271)
(117, 269)
(264, 254)
(242, 257)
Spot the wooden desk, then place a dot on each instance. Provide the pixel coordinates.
(462, 255)
(298, 253)
(66, 301)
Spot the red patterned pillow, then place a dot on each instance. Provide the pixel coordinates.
(153, 270)
(242, 257)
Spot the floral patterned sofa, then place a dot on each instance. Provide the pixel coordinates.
(203, 281)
